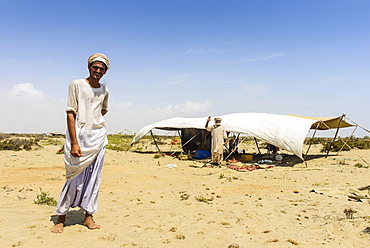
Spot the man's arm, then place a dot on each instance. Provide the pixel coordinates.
(71, 124)
(208, 120)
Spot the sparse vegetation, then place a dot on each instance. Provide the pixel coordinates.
(318, 140)
(233, 246)
(204, 199)
(180, 236)
(119, 142)
(158, 155)
(352, 142)
(349, 213)
(16, 144)
(293, 242)
(229, 179)
(44, 199)
(321, 184)
(184, 196)
(360, 165)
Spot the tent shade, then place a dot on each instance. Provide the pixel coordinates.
(325, 123)
(195, 139)
(284, 131)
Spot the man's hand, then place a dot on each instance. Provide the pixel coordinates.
(209, 118)
(76, 150)
(104, 111)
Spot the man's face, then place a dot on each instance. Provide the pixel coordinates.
(97, 70)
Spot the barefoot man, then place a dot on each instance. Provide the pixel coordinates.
(85, 143)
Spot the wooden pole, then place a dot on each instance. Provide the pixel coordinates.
(187, 142)
(345, 142)
(359, 125)
(304, 158)
(155, 142)
(335, 136)
(255, 140)
(233, 149)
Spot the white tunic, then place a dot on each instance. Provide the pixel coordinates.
(219, 135)
(87, 103)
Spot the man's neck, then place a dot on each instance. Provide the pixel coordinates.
(93, 82)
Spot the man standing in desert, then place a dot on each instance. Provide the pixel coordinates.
(218, 135)
(85, 143)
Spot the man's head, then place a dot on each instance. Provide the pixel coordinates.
(100, 58)
(98, 64)
(217, 121)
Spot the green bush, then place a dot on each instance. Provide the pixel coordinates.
(44, 199)
(119, 142)
(338, 145)
(16, 144)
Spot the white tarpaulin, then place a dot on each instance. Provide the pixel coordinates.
(286, 132)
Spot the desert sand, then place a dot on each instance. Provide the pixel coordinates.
(143, 203)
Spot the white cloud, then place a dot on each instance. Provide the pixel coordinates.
(183, 109)
(25, 91)
(28, 109)
(202, 50)
(121, 106)
(268, 57)
(252, 90)
(179, 80)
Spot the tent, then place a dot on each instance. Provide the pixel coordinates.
(285, 131)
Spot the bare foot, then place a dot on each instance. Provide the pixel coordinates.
(89, 222)
(58, 227)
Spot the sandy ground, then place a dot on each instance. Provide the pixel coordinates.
(142, 203)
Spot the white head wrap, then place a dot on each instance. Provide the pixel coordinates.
(217, 121)
(99, 57)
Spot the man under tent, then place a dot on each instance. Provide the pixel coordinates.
(233, 144)
(219, 137)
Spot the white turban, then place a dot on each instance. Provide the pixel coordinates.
(100, 58)
(217, 119)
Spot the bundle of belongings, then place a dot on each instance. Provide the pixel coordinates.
(361, 194)
(262, 164)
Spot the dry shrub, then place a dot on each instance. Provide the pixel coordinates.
(16, 144)
(359, 143)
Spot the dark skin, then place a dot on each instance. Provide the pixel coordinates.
(209, 119)
(97, 71)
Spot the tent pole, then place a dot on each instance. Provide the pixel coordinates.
(339, 137)
(255, 140)
(335, 136)
(172, 144)
(233, 149)
(155, 142)
(359, 126)
(190, 139)
(345, 142)
(304, 158)
(187, 142)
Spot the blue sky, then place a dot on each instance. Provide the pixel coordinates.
(185, 58)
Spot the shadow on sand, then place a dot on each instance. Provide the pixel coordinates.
(74, 217)
(289, 160)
